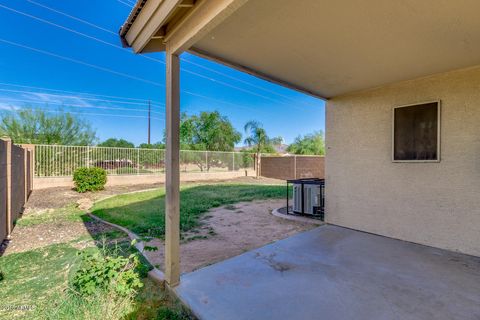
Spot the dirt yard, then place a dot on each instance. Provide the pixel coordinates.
(229, 231)
(57, 215)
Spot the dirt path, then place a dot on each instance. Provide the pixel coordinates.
(229, 231)
(37, 236)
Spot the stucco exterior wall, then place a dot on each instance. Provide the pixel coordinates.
(436, 204)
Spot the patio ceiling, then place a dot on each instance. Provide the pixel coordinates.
(325, 48)
(329, 48)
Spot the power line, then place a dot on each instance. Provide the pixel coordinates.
(72, 17)
(82, 63)
(61, 27)
(146, 57)
(78, 105)
(92, 114)
(125, 3)
(78, 97)
(182, 59)
(117, 73)
(76, 92)
(149, 111)
(75, 32)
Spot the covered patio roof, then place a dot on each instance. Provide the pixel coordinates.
(324, 48)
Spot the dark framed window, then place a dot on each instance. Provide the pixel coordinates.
(416, 132)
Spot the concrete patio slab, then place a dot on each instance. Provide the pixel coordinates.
(337, 273)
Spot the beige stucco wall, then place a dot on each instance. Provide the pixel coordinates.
(436, 204)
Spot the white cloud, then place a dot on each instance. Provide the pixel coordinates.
(8, 106)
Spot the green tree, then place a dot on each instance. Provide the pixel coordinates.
(157, 145)
(39, 127)
(258, 140)
(207, 131)
(310, 144)
(116, 143)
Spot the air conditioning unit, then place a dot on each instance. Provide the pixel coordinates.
(311, 198)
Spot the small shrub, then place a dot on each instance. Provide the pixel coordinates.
(1, 275)
(89, 179)
(110, 272)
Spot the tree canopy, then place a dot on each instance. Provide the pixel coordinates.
(208, 131)
(310, 144)
(157, 145)
(116, 143)
(39, 127)
(258, 139)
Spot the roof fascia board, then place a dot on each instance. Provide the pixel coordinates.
(205, 16)
(152, 17)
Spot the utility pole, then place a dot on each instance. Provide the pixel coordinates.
(149, 121)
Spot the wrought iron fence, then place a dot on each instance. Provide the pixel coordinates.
(57, 161)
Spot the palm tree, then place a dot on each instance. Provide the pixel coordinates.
(258, 139)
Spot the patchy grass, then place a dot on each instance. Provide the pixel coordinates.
(39, 279)
(144, 212)
(33, 277)
(69, 213)
(37, 283)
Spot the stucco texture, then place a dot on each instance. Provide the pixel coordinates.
(436, 204)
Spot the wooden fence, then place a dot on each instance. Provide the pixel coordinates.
(16, 182)
(292, 167)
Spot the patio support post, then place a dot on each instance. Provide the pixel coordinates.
(172, 168)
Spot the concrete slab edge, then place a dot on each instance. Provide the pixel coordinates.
(155, 274)
(292, 217)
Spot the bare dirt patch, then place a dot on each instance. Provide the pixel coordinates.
(229, 231)
(59, 197)
(40, 235)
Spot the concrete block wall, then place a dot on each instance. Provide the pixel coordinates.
(3, 189)
(292, 167)
(16, 180)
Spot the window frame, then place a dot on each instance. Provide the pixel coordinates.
(439, 109)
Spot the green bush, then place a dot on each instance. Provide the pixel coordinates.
(89, 179)
(109, 272)
(1, 275)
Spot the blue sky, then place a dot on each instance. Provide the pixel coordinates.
(110, 86)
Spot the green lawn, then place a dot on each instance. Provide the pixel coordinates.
(144, 212)
(40, 278)
(69, 213)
